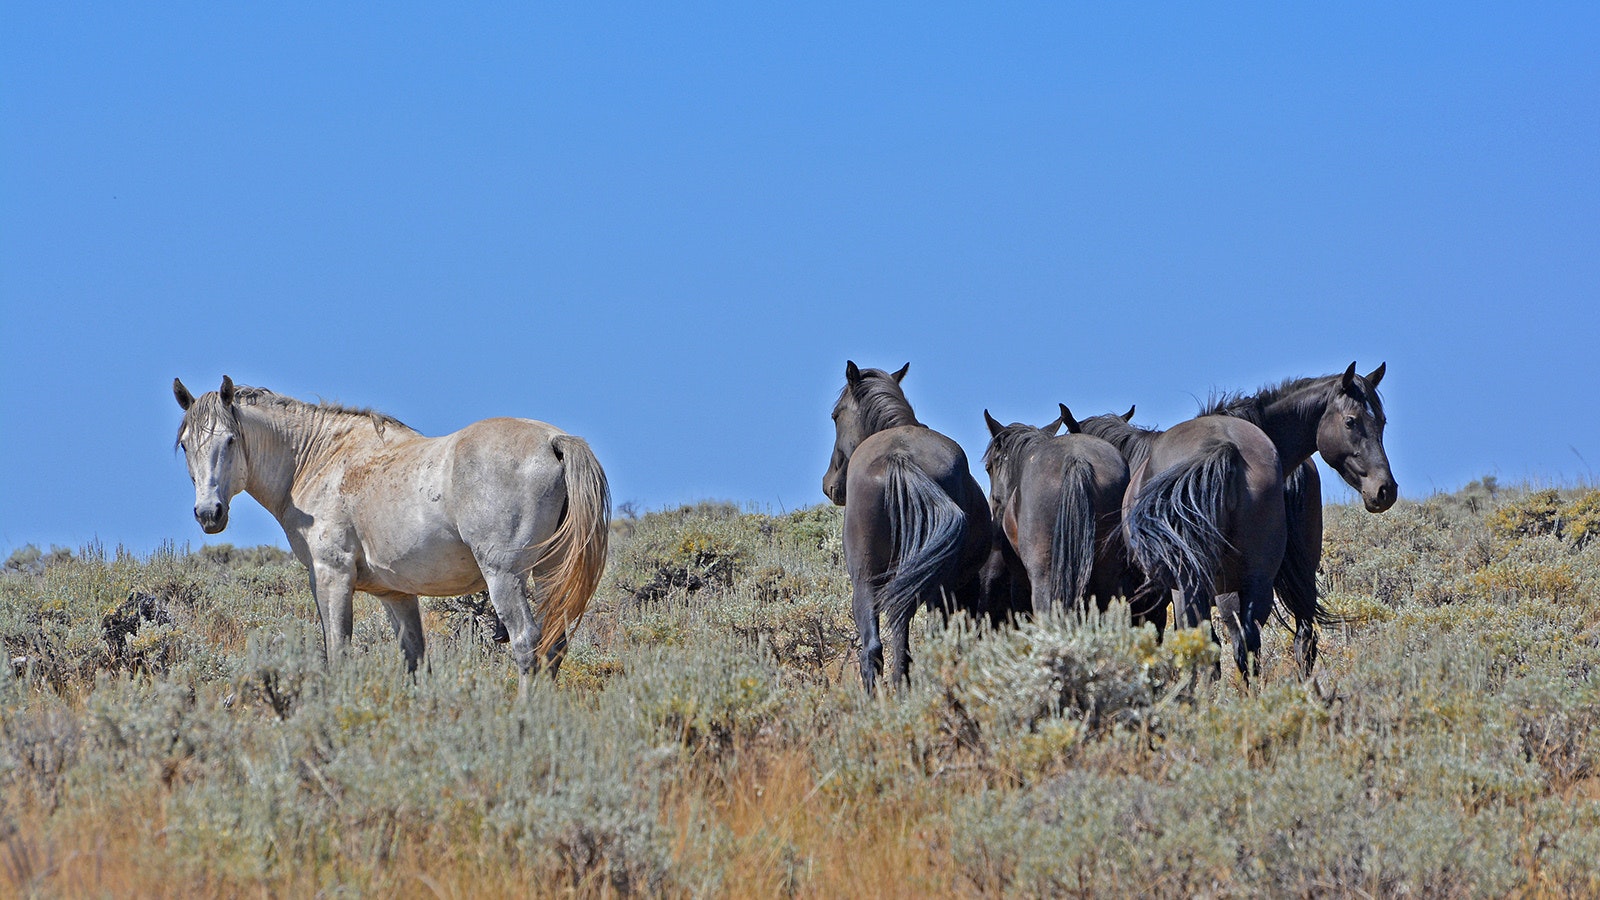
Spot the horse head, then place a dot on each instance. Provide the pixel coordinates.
(1350, 438)
(1006, 442)
(853, 419)
(213, 446)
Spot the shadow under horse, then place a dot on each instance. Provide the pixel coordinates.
(1057, 502)
(916, 524)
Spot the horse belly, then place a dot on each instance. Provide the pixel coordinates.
(409, 540)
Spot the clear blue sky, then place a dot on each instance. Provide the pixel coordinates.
(665, 227)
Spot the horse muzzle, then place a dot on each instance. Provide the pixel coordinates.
(1380, 498)
(213, 518)
(834, 492)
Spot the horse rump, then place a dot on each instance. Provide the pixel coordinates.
(928, 530)
(1073, 538)
(1174, 526)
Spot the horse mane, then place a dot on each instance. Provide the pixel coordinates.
(1009, 446)
(209, 407)
(1307, 395)
(1132, 441)
(881, 401)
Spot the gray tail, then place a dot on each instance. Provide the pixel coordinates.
(1173, 527)
(929, 530)
(1296, 582)
(1072, 556)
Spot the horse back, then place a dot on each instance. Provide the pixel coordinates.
(424, 514)
(939, 457)
(1261, 474)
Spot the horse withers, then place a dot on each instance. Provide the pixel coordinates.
(512, 505)
(1058, 502)
(916, 524)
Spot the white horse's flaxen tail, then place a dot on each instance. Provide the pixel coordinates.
(572, 559)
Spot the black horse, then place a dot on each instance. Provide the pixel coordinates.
(916, 524)
(1340, 415)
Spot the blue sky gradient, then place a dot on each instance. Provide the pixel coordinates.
(666, 227)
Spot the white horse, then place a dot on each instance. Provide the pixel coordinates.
(368, 504)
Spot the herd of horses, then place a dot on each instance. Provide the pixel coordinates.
(1214, 515)
(1217, 513)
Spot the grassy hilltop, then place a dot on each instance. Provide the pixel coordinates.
(167, 727)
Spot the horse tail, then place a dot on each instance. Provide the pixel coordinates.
(575, 555)
(1296, 581)
(1173, 526)
(928, 530)
(1073, 550)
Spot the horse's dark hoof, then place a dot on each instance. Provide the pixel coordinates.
(501, 636)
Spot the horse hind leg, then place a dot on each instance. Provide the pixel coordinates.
(405, 617)
(1305, 645)
(900, 653)
(866, 614)
(1243, 614)
(1237, 624)
(508, 591)
(1148, 603)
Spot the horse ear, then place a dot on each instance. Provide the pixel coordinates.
(185, 399)
(1348, 382)
(1052, 428)
(852, 373)
(994, 427)
(1128, 416)
(1067, 419)
(226, 391)
(1377, 375)
(901, 375)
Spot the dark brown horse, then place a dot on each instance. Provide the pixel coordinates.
(1203, 514)
(1058, 503)
(1341, 417)
(916, 524)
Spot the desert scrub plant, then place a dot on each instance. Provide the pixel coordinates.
(681, 552)
(1549, 512)
(699, 744)
(1009, 706)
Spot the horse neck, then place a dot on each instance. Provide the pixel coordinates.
(1291, 421)
(286, 445)
(883, 411)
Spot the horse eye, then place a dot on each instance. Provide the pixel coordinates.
(182, 446)
(1349, 421)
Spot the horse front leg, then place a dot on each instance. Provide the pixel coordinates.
(333, 587)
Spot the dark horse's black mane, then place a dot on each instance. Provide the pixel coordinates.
(882, 403)
(1308, 395)
(1131, 441)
